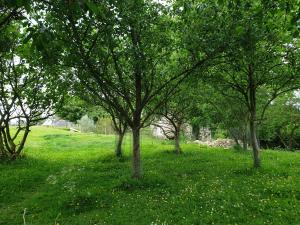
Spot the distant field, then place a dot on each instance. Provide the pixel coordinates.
(74, 179)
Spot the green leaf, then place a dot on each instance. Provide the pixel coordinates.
(220, 2)
(296, 34)
(27, 38)
(239, 30)
(92, 7)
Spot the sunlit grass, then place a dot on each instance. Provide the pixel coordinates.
(75, 179)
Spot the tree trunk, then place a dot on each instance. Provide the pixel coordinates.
(245, 145)
(255, 146)
(244, 139)
(136, 162)
(177, 140)
(120, 127)
(291, 140)
(252, 108)
(282, 140)
(235, 140)
(2, 148)
(3, 153)
(177, 144)
(22, 143)
(119, 144)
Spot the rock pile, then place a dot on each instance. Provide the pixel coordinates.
(220, 143)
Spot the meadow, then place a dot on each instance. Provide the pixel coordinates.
(74, 179)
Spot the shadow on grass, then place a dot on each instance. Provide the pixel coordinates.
(82, 203)
(146, 183)
(251, 171)
(171, 152)
(24, 177)
(112, 158)
(50, 137)
(241, 151)
(28, 162)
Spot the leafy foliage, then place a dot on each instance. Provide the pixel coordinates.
(281, 127)
(27, 93)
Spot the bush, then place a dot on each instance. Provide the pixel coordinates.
(104, 126)
(86, 124)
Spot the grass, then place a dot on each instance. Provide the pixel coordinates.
(74, 179)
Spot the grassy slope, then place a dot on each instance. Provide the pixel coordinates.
(76, 178)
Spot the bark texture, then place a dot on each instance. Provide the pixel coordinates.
(253, 119)
(119, 152)
(137, 171)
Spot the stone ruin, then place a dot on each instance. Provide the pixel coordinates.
(163, 130)
(205, 138)
(204, 134)
(218, 143)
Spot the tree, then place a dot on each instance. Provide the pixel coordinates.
(235, 119)
(119, 123)
(176, 112)
(281, 126)
(122, 52)
(82, 103)
(27, 93)
(72, 109)
(12, 11)
(175, 116)
(228, 113)
(261, 59)
(120, 126)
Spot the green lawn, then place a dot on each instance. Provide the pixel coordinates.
(75, 179)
